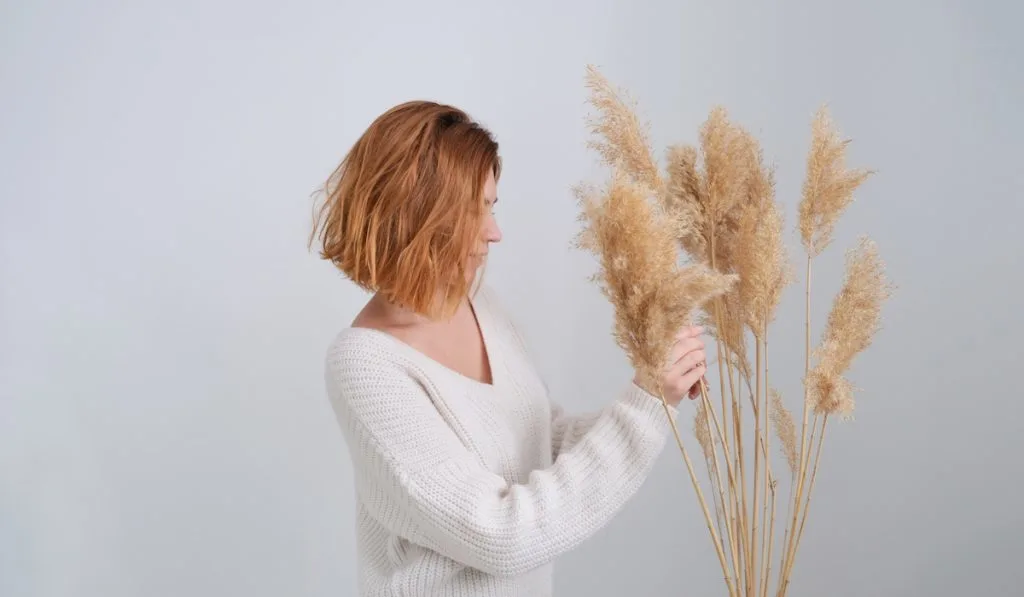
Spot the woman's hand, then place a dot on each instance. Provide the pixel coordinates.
(685, 365)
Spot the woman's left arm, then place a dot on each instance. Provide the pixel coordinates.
(567, 429)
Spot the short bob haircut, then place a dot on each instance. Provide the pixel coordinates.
(402, 213)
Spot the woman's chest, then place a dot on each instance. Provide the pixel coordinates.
(507, 424)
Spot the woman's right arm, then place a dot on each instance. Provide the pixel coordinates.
(419, 480)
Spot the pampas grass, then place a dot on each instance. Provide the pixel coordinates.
(828, 188)
(782, 419)
(619, 136)
(715, 207)
(653, 297)
(852, 323)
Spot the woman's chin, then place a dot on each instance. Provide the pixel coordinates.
(476, 267)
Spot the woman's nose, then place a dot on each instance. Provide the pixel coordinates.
(493, 233)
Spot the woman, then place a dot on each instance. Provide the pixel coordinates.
(469, 480)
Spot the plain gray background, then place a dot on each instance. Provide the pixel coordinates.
(163, 424)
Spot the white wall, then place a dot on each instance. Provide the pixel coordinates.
(163, 425)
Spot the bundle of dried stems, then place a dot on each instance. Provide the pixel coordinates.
(715, 204)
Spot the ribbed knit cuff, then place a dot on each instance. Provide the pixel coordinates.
(649, 407)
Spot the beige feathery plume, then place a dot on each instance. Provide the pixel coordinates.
(829, 186)
(652, 296)
(726, 148)
(852, 324)
(685, 200)
(622, 139)
(831, 393)
(759, 252)
(703, 432)
(706, 201)
(785, 430)
(729, 329)
(706, 204)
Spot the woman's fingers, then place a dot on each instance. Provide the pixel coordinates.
(687, 341)
(688, 370)
(686, 364)
(690, 379)
(690, 360)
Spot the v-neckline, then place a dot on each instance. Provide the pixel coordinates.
(486, 340)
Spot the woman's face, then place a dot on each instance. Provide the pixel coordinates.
(489, 231)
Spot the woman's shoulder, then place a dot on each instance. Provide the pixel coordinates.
(369, 372)
(364, 350)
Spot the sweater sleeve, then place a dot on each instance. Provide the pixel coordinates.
(420, 481)
(568, 429)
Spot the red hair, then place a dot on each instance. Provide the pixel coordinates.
(402, 212)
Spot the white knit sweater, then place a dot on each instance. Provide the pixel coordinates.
(469, 489)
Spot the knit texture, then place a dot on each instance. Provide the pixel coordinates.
(469, 489)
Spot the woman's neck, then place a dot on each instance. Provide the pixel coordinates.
(382, 310)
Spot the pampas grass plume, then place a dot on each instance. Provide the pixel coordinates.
(828, 187)
(852, 323)
(620, 137)
(785, 430)
(652, 296)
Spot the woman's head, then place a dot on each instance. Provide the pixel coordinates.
(408, 212)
